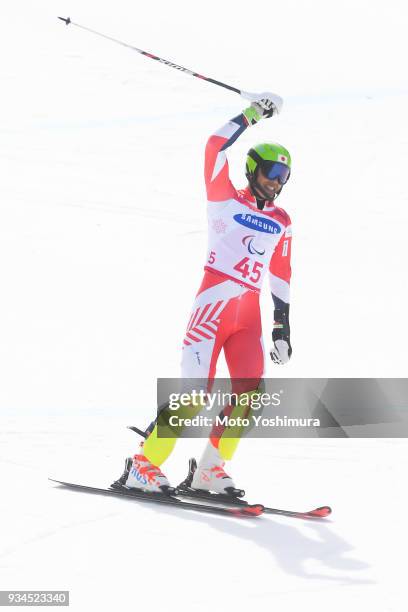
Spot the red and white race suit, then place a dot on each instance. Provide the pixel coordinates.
(244, 244)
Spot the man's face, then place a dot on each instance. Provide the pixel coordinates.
(267, 188)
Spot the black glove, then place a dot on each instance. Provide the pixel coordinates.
(282, 349)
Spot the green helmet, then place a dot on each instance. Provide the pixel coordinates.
(275, 163)
(261, 154)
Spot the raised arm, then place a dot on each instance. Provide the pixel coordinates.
(216, 171)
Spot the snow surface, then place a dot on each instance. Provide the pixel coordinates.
(102, 240)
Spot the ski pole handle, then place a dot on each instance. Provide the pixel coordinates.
(250, 96)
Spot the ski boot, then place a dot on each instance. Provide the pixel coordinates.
(141, 475)
(210, 475)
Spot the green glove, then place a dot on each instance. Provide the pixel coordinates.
(267, 105)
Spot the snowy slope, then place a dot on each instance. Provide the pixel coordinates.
(102, 198)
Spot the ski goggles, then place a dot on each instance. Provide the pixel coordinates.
(276, 171)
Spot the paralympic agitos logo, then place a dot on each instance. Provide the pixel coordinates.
(259, 224)
(248, 242)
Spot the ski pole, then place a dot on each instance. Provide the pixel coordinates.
(244, 94)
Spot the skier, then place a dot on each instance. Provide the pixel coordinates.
(248, 237)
